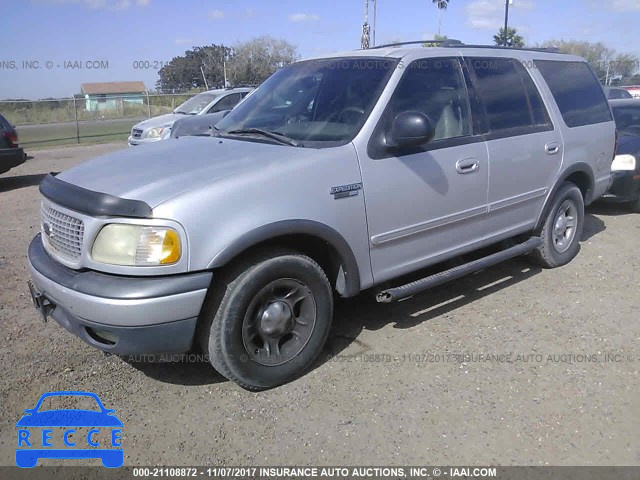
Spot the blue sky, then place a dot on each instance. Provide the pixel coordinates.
(123, 31)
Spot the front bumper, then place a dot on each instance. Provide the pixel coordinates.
(119, 314)
(142, 141)
(625, 187)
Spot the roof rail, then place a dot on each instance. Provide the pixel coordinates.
(502, 47)
(448, 42)
(452, 43)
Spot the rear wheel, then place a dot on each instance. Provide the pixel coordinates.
(268, 320)
(562, 228)
(635, 206)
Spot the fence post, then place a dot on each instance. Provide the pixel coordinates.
(148, 103)
(75, 111)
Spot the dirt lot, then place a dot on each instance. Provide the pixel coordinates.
(408, 383)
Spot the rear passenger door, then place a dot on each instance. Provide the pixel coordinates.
(525, 151)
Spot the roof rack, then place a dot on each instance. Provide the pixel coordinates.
(450, 42)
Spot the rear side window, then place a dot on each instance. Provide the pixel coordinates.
(577, 92)
(510, 97)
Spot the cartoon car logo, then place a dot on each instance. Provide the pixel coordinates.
(32, 446)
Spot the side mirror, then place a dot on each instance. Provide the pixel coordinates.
(410, 129)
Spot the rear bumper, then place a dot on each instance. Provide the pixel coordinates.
(10, 158)
(117, 314)
(625, 187)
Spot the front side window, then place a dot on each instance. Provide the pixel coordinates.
(510, 98)
(324, 101)
(436, 88)
(227, 103)
(577, 92)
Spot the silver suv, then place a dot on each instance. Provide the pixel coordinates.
(337, 175)
(213, 101)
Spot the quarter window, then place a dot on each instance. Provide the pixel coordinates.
(577, 92)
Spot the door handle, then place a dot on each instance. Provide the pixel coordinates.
(552, 148)
(468, 165)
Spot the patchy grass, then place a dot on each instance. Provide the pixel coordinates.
(63, 134)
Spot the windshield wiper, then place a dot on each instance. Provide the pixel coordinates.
(265, 133)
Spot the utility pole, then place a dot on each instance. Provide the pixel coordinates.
(365, 40)
(506, 22)
(375, 9)
(204, 78)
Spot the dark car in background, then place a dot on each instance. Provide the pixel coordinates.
(625, 168)
(617, 93)
(11, 155)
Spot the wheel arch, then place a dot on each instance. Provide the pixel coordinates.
(581, 175)
(317, 240)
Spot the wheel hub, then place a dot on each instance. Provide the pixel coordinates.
(279, 321)
(564, 227)
(276, 319)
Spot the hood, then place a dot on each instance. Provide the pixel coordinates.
(162, 170)
(628, 144)
(162, 120)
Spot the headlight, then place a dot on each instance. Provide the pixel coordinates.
(623, 162)
(136, 245)
(155, 132)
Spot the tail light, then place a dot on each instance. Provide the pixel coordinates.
(12, 139)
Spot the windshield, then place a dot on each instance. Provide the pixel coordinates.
(323, 101)
(196, 104)
(627, 119)
(64, 402)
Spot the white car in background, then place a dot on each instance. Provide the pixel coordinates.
(212, 101)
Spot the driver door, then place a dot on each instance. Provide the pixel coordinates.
(428, 203)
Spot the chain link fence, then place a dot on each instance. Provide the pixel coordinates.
(84, 119)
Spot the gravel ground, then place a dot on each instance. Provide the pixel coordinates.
(397, 384)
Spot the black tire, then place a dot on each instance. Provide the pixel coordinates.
(552, 253)
(233, 317)
(635, 205)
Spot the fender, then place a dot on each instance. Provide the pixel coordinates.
(581, 167)
(348, 283)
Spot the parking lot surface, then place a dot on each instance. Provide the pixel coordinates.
(512, 366)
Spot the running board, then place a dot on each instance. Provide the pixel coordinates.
(405, 291)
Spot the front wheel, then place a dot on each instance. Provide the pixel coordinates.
(268, 320)
(562, 228)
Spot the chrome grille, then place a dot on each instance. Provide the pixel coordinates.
(62, 232)
(136, 133)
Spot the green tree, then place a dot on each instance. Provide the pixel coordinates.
(509, 39)
(605, 61)
(254, 61)
(184, 73)
(437, 38)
